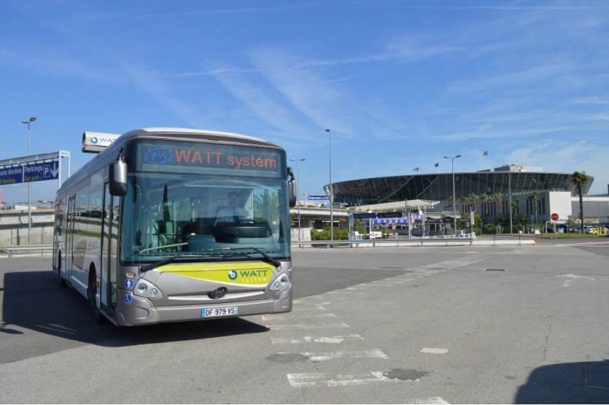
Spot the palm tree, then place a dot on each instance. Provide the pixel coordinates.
(498, 199)
(535, 199)
(465, 203)
(484, 206)
(580, 181)
(473, 198)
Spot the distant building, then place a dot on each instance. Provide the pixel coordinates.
(533, 192)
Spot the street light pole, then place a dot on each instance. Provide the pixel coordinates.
(331, 191)
(510, 198)
(452, 161)
(29, 186)
(298, 180)
(519, 168)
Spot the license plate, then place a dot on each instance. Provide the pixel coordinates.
(222, 311)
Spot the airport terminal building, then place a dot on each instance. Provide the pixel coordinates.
(488, 192)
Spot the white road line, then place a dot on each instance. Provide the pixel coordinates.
(340, 380)
(307, 326)
(453, 264)
(308, 302)
(432, 400)
(571, 277)
(382, 284)
(319, 339)
(317, 357)
(426, 272)
(318, 316)
(434, 350)
(302, 309)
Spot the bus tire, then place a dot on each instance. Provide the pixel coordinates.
(61, 281)
(91, 293)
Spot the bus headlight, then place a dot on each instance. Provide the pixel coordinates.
(281, 282)
(146, 289)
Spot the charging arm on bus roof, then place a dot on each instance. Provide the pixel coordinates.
(292, 187)
(118, 176)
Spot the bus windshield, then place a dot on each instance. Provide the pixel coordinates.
(199, 214)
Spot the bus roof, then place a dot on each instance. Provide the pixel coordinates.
(106, 155)
(178, 130)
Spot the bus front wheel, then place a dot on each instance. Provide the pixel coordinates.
(91, 293)
(61, 281)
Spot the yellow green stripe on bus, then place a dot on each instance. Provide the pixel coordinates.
(255, 273)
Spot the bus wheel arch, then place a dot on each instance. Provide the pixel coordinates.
(92, 293)
(60, 280)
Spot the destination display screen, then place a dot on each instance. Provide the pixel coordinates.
(191, 157)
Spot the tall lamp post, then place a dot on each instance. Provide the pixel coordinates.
(29, 186)
(298, 176)
(331, 191)
(452, 162)
(519, 168)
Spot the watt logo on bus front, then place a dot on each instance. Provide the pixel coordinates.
(159, 156)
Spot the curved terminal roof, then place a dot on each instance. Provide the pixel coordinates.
(439, 186)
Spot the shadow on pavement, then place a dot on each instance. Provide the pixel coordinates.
(567, 383)
(33, 300)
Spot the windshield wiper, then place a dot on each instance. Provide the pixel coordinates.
(266, 257)
(150, 266)
(159, 263)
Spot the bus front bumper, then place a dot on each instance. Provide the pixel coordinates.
(141, 311)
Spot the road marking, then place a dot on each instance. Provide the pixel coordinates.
(318, 357)
(307, 326)
(341, 380)
(429, 272)
(453, 264)
(303, 380)
(319, 316)
(434, 350)
(432, 400)
(321, 339)
(385, 284)
(308, 302)
(315, 308)
(571, 277)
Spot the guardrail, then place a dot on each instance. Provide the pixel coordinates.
(360, 243)
(413, 242)
(28, 249)
(365, 243)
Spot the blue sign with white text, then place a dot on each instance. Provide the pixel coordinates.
(11, 175)
(41, 171)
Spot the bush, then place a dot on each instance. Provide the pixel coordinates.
(324, 234)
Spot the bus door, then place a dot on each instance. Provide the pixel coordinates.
(109, 251)
(70, 229)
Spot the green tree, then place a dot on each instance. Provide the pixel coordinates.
(498, 199)
(535, 199)
(472, 201)
(580, 181)
(484, 200)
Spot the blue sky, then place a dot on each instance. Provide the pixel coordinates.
(399, 83)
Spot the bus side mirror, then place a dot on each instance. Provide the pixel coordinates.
(291, 187)
(118, 178)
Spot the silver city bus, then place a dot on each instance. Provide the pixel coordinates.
(169, 225)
